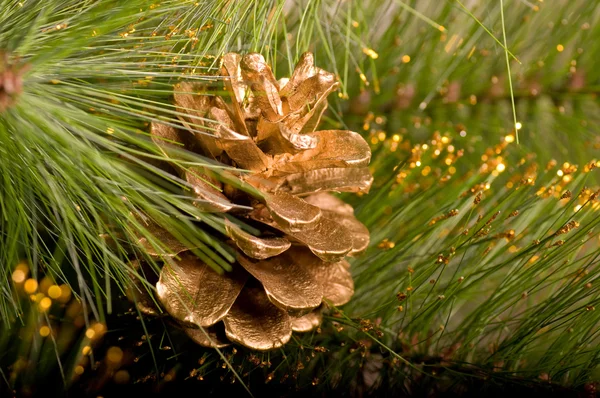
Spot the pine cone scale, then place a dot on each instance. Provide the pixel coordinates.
(195, 294)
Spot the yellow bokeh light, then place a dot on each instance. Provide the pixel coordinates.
(54, 291)
(406, 59)
(45, 303)
(18, 276)
(371, 53)
(560, 48)
(90, 333)
(44, 331)
(501, 167)
(31, 286)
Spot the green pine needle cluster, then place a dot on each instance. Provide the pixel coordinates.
(484, 251)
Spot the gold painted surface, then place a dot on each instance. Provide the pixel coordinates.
(358, 231)
(256, 323)
(308, 322)
(192, 292)
(209, 199)
(236, 87)
(341, 212)
(327, 201)
(338, 286)
(331, 179)
(335, 148)
(335, 278)
(287, 283)
(212, 336)
(265, 88)
(255, 247)
(291, 212)
(163, 135)
(329, 240)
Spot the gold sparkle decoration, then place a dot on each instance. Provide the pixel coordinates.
(294, 267)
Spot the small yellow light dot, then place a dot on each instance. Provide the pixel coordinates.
(560, 48)
(79, 370)
(406, 59)
(509, 138)
(114, 355)
(54, 291)
(44, 331)
(18, 276)
(577, 208)
(371, 53)
(418, 163)
(396, 138)
(560, 173)
(45, 303)
(86, 350)
(381, 136)
(518, 125)
(501, 167)
(90, 333)
(31, 286)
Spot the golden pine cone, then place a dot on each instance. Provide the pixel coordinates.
(282, 276)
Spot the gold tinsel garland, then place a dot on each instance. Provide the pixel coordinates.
(282, 276)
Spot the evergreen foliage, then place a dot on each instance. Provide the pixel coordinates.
(483, 265)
